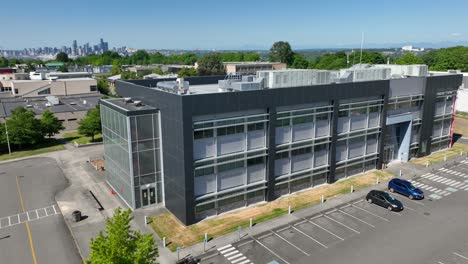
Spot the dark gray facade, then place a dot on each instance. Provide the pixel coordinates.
(178, 112)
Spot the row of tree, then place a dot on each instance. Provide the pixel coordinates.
(25, 130)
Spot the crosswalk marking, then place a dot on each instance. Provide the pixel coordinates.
(28, 216)
(233, 255)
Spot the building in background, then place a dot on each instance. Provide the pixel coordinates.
(7, 75)
(69, 109)
(249, 67)
(206, 145)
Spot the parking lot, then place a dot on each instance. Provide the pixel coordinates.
(432, 230)
(32, 228)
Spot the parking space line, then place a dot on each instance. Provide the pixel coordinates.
(318, 242)
(461, 256)
(385, 219)
(315, 217)
(245, 262)
(287, 241)
(352, 229)
(278, 256)
(440, 262)
(371, 225)
(326, 230)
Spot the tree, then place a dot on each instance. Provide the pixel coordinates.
(409, 58)
(50, 125)
(281, 51)
(116, 67)
(210, 64)
(300, 62)
(128, 75)
(187, 72)
(62, 57)
(4, 62)
(62, 68)
(90, 125)
(122, 245)
(103, 86)
(23, 128)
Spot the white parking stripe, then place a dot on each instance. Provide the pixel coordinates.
(352, 229)
(244, 262)
(278, 256)
(461, 256)
(318, 242)
(326, 230)
(231, 253)
(287, 241)
(358, 219)
(378, 216)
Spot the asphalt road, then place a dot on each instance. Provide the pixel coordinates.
(39, 235)
(433, 230)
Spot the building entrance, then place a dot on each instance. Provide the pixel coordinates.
(148, 196)
(396, 142)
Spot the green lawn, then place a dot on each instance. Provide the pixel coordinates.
(53, 145)
(81, 139)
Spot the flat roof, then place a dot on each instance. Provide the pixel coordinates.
(38, 105)
(128, 106)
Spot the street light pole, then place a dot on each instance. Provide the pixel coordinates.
(7, 138)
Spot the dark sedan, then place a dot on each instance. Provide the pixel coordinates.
(385, 200)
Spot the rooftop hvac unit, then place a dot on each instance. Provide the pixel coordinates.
(53, 100)
(127, 99)
(29, 106)
(138, 103)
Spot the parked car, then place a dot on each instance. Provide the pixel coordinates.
(385, 200)
(406, 188)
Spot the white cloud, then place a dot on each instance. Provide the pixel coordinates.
(456, 34)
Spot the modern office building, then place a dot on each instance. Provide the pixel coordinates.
(206, 145)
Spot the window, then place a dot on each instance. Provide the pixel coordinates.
(282, 122)
(342, 113)
(46, 91)
(301, 151)
(224, 131)
(255, 161)
(93, 88)
(282, 155)
(321, 117)
(257, 126)
(204, 171)
(303, 119)
(231, 166)
(203, 134)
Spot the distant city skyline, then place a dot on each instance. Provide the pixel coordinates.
(181, 24)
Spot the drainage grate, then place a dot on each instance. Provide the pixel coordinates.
(427, 213)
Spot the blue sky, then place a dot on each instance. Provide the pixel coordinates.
(240, 24)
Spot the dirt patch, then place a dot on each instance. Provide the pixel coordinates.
(167, 225)
(98, 164)
(461, 126)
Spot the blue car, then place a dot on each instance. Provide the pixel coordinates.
(406, 188)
